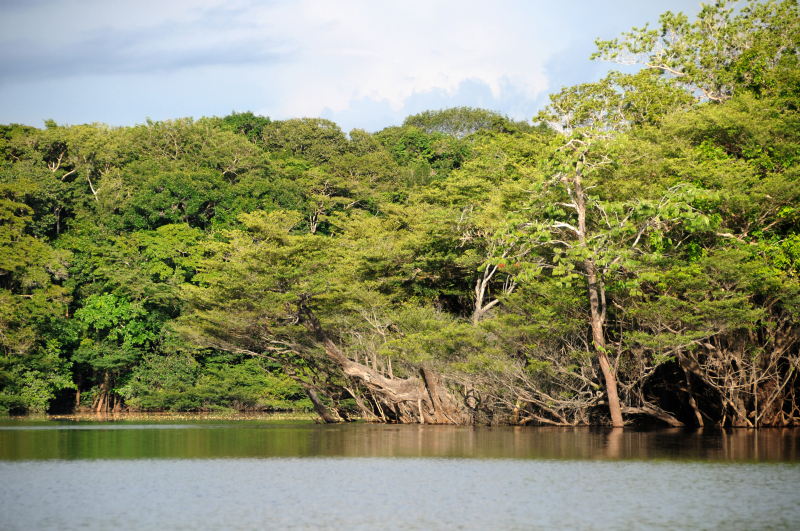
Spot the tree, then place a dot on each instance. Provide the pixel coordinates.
(718, 53)
(635, 253)
(423, 157)
(460, 122)
(247, 124)
(32, 306)
(576, 236)
(275, 295)
(315, 139)
(115, 334)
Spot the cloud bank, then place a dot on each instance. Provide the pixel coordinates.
(359, 62)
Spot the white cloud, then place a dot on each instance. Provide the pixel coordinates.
(350, 50)
(343, 50)
(369, 60)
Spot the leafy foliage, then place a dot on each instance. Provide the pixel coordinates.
(642, 237)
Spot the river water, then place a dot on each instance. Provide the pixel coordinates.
(262, 474)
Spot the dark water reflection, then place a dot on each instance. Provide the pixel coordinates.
(259, 439)
(217, 474)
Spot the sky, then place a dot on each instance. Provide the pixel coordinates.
(361, 63)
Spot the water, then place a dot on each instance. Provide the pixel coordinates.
(216, 474)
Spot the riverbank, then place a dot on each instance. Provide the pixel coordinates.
(164, 416)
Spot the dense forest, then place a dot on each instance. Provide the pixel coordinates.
(634, 256)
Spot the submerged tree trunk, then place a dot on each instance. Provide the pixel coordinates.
(651, 411)
(411, 400)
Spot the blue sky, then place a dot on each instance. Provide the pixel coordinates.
(365, 64)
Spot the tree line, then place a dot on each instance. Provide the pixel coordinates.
(634, 256)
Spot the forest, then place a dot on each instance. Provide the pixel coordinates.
(629, 255)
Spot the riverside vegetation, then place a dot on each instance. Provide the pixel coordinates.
(634, 256)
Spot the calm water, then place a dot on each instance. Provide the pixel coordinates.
(216, 474)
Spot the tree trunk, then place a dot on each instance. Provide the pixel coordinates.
(102, 399)
(103, 395)
(692, 401)
(651, 411)
(425, 395)
(597, 314)
(319, 407)
(481, 286)
(608, 374)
